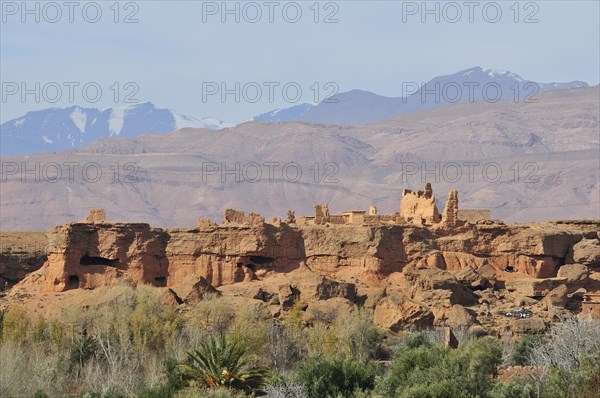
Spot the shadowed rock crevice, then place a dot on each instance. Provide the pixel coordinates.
(91, 260)
(261, 259)
(73, 282)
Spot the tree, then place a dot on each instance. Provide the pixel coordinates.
(222, 363)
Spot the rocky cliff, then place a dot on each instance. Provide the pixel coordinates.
(407, 274)
(20, 254)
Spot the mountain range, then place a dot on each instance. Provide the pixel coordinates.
(523, 161)
(363, 107)
(58, 129)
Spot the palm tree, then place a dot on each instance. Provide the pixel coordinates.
(82, 349)
(221, 363)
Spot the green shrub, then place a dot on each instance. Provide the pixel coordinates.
(408, 365)
(110, 392)
(174, 382)
(415, 340)
(523, 349)
(324, 378)
(427, 370)
(15, 324)
(213, 393)
(516, 389)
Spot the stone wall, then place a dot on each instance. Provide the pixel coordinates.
(474, 215)
(238, 217)
(419, 208)
(321, 214)
(96, 216)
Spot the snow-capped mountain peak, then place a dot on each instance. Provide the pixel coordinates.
(79, 118)
(479, 72)
(56, 129)
(357, 107)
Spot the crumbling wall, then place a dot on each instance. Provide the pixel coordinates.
(336, 219)
(419, 208)
(450, 213)
(96, 216)
(321, 214)
(591, 304)
(291, 217)
(254, 219)
(234, 216)
(354, 217)
(474, 215)
(238, 217)
(205, 223)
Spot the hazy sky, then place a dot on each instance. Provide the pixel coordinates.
(177, 50)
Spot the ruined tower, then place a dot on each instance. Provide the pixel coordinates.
(450, 213)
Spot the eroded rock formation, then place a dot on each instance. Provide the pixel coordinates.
(447, 273)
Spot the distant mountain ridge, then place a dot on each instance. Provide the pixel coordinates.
(58, 129)
(358, 107)
(543, 157)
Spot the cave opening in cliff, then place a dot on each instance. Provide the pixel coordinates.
(161, 281)
(90, 260)
(73, 282)
(261, 259)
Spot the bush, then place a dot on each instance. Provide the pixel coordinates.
(407, 366)
(286, 346)
(15, 324)
(215, 393)
(424, 370)
(324, 378)
(40, 394)
(522, 353)
(285, 389)
(357, 336)
(168, 389)
(415, 340)
(107, 393)
(517, 389)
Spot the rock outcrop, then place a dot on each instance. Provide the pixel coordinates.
(534, 287)
(328, 288)
(195, 289)
(577, 276)
(20, 254)
(430, 283)
(587, 252)
(396, 313)
(89, 255)
(442, 272)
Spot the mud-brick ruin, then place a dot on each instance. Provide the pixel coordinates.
(418, 266)
(417, 208)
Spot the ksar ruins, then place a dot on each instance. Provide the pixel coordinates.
(417, 267)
